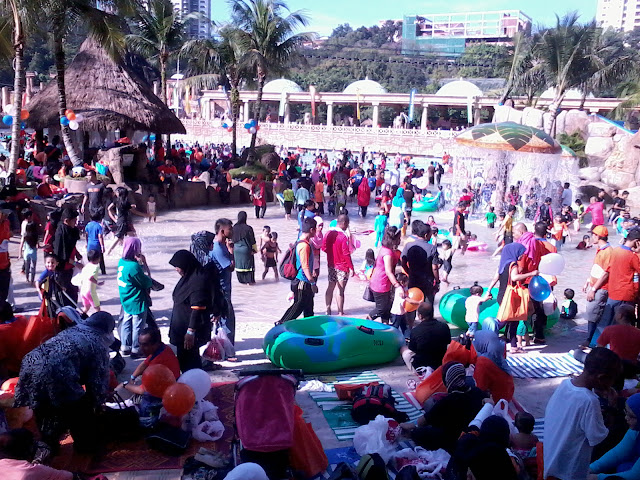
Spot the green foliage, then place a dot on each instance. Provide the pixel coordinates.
(250, 170)
(576, 143)
(484, 60)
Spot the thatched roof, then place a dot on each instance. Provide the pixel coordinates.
(109, 96)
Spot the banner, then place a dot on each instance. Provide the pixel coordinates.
(312, 91)
(283, 101)
(411, 107)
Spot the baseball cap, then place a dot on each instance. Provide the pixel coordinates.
(600, 231)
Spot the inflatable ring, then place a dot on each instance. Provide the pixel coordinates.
(430, 205)
(476, 246)
(453, 311)
(326, 343)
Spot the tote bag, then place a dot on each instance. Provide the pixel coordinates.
(515, 304)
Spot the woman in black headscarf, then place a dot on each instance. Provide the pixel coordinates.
(244, 248)
(190, 326)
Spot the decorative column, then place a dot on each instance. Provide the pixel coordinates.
(477, 115)
(376, 112)
(329, 114)
(246, 111)
(425, 117)
(287, 111)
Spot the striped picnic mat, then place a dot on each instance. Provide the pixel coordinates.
(338, 412)
(544, 366)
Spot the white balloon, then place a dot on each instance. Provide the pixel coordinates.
(8, 109)
(74, 125)
(79, 117)
(551, 264)
(252, 130)
(198, 380)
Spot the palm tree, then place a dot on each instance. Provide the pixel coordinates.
(158, 34)
(18, 41)
(522, 46)
(562, 51)
(267, 32)
(62, 16)
(212, 62)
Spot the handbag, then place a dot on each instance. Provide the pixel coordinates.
(119, 423)
(169, 440)
(515, 304)
(368, 294)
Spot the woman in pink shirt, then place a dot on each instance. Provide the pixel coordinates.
(596, 209)
(383, 278)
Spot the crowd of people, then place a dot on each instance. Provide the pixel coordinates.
(403, 276)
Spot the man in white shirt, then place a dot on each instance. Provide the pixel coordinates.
(573, 418)
(567, 196)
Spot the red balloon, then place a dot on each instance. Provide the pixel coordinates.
(156, 379)
(230, 129)
(179, 399)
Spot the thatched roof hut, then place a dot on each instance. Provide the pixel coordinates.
(110, 96)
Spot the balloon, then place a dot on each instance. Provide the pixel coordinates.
(257, 128)
(9, 386)
(23, 125)
(225, 125)
(152, 137)
(8, 108)
(64, 121)
(551, 264)
(229, 129)
(539, 288)
(252, 122)
(179, 399)
(69, 113)
(252, 130)
(79, 117)
(7, 120)
(156, 379)
(247, 125)
(24, 114)
(74, 125)
(414, 294)
(198, 380)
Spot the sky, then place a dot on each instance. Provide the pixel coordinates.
(325, 15)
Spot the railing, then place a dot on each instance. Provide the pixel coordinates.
(332, 129)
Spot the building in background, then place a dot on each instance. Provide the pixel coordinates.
(621, 15)
(448, 34)
(196, 28)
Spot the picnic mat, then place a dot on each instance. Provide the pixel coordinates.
(544, 366)
(130, 456)
(338, 412)
(349, 456)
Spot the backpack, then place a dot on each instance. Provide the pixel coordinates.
(288, 267)
(372, 467)
(375, 400)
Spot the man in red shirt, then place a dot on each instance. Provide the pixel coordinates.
(624, 273)
(340, 266)
(597, 285)
(168, 175)
(157, 354)
(624, 339)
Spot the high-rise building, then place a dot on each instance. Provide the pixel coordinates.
(619, 14)
(448, 34)
(197, 28)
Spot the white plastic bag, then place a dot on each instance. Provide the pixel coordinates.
(223, 338)
(429, 463)
(208, 431)
(502, 410)
(372, 438)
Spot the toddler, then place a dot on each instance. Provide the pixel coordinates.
(523, 441)
(447, 257)
(434, 236)
(269, 253)
(367, 265)
(331, 204)
(585, 243)
(48, 285)
(264, 237)
(522, 336)
(379, 225)
(490, 217)
(398, 312)
(88, 282)
(559, 230)
(569, 308)
(431, 221)
(151, 208)
(472, 306)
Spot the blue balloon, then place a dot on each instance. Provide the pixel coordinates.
(539, 288)
(64, 121)
(253, 123)
(225, 125)
(152, 137)
(23, 125)
(7, 120)
(248, 125)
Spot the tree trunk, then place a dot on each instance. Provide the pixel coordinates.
(62, 98)
(163, 95)
(256, 109)
(235, 107)
(554, 110)
(18, 88)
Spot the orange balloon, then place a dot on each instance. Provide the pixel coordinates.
(156, 379)
(24, 114)
(71, 116)
(69, 112)
(179, 399)
(9, 386)
(414, 294)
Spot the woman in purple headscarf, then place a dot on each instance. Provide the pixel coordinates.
(133, 286)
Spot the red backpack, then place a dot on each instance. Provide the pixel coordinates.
(288, 267)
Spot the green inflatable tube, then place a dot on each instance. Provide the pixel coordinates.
(452, 309)
(427, 205)
(326, 343)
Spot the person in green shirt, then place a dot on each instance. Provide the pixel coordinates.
(133, 286)
(289, 198)
(491, 218)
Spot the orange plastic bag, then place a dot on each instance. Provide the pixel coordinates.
(306, 455)
(347, 391)
(515, 304)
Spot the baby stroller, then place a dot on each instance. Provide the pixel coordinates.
(264, 409)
